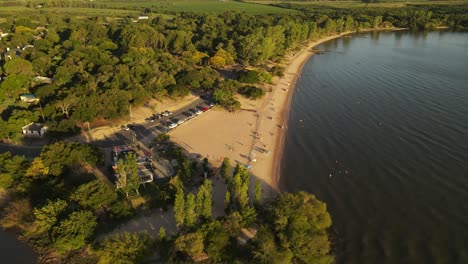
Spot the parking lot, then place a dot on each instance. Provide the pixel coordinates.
(165, 122)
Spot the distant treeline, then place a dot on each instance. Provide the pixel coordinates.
(100, 67)
(416, 17)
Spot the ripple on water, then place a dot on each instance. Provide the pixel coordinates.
(384, 141)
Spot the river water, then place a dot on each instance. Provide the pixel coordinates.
(378, 130)
(14, 251)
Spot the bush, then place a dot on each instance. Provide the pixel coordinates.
(254, 77)
(277, 71)
(178, 91)
(251, 92)
(121, 209)
(162, 138)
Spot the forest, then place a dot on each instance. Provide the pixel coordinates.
(62, 208)
(80, 69)
(87, 68)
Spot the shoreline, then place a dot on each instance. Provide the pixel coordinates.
(303, 57)
(254, 136)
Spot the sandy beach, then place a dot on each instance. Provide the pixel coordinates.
(255, 135)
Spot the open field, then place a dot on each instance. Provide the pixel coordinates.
(120, 8)
(357, 4)
(72, 11)
(216, 6)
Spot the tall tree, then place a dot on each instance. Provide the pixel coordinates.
(190, 244)
(179, 208)
(74, 232)
(226, 169)
(128, 174)
(207, 199)
(94, 194)
(240, 186)
(258, 192)
(124, 248)
(299, 222)
(47, 216)
(190, 214)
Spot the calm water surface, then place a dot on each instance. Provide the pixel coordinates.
(384, 141)
(14, 251)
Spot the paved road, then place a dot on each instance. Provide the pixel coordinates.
(140, 132)
(147, 131)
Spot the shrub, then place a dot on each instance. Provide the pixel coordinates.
(254, 77)
(251, 92)
(277, 71)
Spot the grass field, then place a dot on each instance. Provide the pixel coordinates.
(122, 8)
(72, 11)
(216, 6)
(356, 4)
(119, 8)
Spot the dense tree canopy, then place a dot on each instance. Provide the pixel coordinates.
(99, 67)
(124, 248)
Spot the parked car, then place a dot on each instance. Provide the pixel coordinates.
(168, 112)
(150, 119)
(211, 104)
(198, 112)
(192, 115)
(164, 113)
(179, 121)
(171, 125)
(125, 127)
(204, 109)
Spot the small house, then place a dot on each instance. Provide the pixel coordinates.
(42, 79)
(34, 130)
(29, 98)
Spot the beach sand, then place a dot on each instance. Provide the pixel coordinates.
(255, 135)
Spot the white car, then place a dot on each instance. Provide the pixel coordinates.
(125, 127)
(180, 121)
(198, 111)
(172, 125)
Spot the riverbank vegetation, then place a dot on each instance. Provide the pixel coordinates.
(66, 212)
(97, 67)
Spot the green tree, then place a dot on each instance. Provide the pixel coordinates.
(185, 169)
(190, 244)
(13, 86)
(226, 169)
(227, 201)
(218, 242)
(179, 208)
(190, 214)
(266, 251)
(258, 192)
(47, 216)
(74, 232)
(162, 234)
(204, 199)
(128, 178)
(124, 248)
(18, 66)
(94, 194)
(56, 157)
(240, 186)
(12, 169)
(299, 221)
